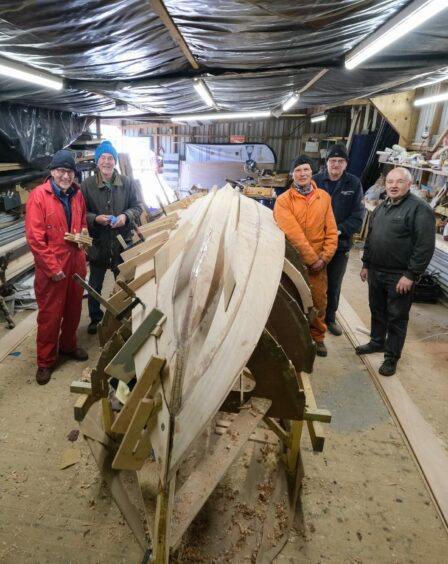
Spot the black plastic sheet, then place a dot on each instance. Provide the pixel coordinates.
(34, 134)
(250, 54)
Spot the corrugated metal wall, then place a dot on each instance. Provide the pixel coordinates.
(282, 135)
(427, 114)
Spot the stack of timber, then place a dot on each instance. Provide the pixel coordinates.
(214, 298)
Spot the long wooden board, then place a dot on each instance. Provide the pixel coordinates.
(15, 336)
(429, 453)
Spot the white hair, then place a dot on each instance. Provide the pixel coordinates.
(405, 171)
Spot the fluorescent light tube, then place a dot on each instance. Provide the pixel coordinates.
(12, 70)
(402, 23)
(221, 116)
(431, 99)
(203, 92)
(316, 119)
(290, 102)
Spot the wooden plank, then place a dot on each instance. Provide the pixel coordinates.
(158, 7)
(127, 269)
(15, 336)
(79, 387)
(144, 383)
(300, 283)
(82, 406)
(12, 246)
(161, 546)
(114, 482)
(19, 265)
(431, 457)
(201, 483)
(122, 365)
(144, 246)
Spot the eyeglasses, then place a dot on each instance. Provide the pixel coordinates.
(337, 161)
(64, 171)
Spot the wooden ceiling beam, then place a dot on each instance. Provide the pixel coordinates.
(159, 8)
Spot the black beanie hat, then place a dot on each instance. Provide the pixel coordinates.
(338, 150)
(64, 159)
(300, 160)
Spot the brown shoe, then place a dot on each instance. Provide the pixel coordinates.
(78, 354)
(43, 375)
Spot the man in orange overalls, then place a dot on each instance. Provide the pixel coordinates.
(304, 214)
(53, 209)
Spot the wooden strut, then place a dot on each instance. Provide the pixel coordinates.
(431, 458)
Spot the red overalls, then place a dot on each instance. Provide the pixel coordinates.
(59, 303)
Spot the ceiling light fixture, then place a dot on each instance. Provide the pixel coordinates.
(13, 70)
(318, 118)
(221, 116)
(431, 99)
(203, 92)
(290, 102)
(405, 21)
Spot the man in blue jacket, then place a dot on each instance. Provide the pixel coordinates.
(346, 194)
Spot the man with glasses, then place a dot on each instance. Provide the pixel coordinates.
(346, 194)
(114, 207)
(53, 209)
(399, 245)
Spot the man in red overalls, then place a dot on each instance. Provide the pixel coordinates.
(53, 209)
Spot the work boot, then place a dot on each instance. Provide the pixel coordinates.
(43, 376)
(92, 328)
(334, 328)
(78, 354)
(321, 349)
(369, 348)
(388, 367)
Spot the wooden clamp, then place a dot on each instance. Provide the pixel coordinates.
(99, 298)
(315, 429)
(135, 300)
(122, 365)
(136, 443)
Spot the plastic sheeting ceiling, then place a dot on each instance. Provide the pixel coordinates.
(250, 54)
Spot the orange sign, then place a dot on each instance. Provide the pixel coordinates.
(237, 138)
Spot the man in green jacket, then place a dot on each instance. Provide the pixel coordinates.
(399, 245)
(114, 206)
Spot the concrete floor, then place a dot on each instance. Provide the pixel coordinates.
(363, 500)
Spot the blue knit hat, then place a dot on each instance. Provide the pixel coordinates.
(106, 147)
(64, 159)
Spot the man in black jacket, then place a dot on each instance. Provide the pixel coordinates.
(346, 194)
(114, 207)
(399, 245)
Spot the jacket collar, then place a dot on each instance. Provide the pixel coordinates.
(116, 179)
(314, 193)
(389, 202)
(47, 185)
